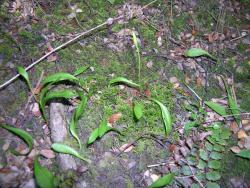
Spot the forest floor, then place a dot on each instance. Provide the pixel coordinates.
(203, 145)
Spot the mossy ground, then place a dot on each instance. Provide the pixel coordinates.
(106, 64)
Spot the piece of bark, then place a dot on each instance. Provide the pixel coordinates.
(59, 132)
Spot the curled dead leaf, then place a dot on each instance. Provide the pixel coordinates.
(115, 117)
(242, 134)
(124, 148)
(234, 127)
(49, 154)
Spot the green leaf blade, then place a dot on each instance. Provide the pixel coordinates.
(93, 136)
(76, 116)
(124, 81)
(163, 181)
(26, 137)
(62, 148)
(244, 153)
(57, 77)
(219, 109)
(43, 176)
(25, 75)
(80, 70)
(167, 119)
(197, 52)
(138, 111)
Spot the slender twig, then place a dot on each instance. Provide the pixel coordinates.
(55, 50)
(109, 21)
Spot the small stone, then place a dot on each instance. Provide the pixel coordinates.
(110, 21)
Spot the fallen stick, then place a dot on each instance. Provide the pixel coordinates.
(108, 22)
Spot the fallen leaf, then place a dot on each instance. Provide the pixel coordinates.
(47, 153)
(235, 149)
(128, 147)
(34, 108)
(245, 121)
(5, 147)
(242, 134)
(147, 93)
(234, 127)
(115, 117)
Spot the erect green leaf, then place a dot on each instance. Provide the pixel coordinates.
(244, 153)
(138, 110)
(43, 176)
(103, 128)
(62, 148)
(167, 119)
(43, 93)
(232, 103)
(163, 181)
(76, 116)
(219, 109)
(213, 176)
(25, 75)
(80, 70)
(197, 52)
(59, 77)
(234, 108)
(93, 136)
(214, 164)
(124, 81)
(22, 134)
(100, 131)
(111, 1)
(138, 54)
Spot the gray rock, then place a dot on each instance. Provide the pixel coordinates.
(58, 127)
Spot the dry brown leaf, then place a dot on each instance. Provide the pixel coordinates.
(37, 90)
(234, 127)
(199, 82)
(34, 108)
(147, 93)
(172, 148)
(115, 117)
(124, 148)
(5, 147)
(242, 134)
(49, 154)
(235, 149)
(245, 121)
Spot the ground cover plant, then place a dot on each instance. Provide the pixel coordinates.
(124, 94)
